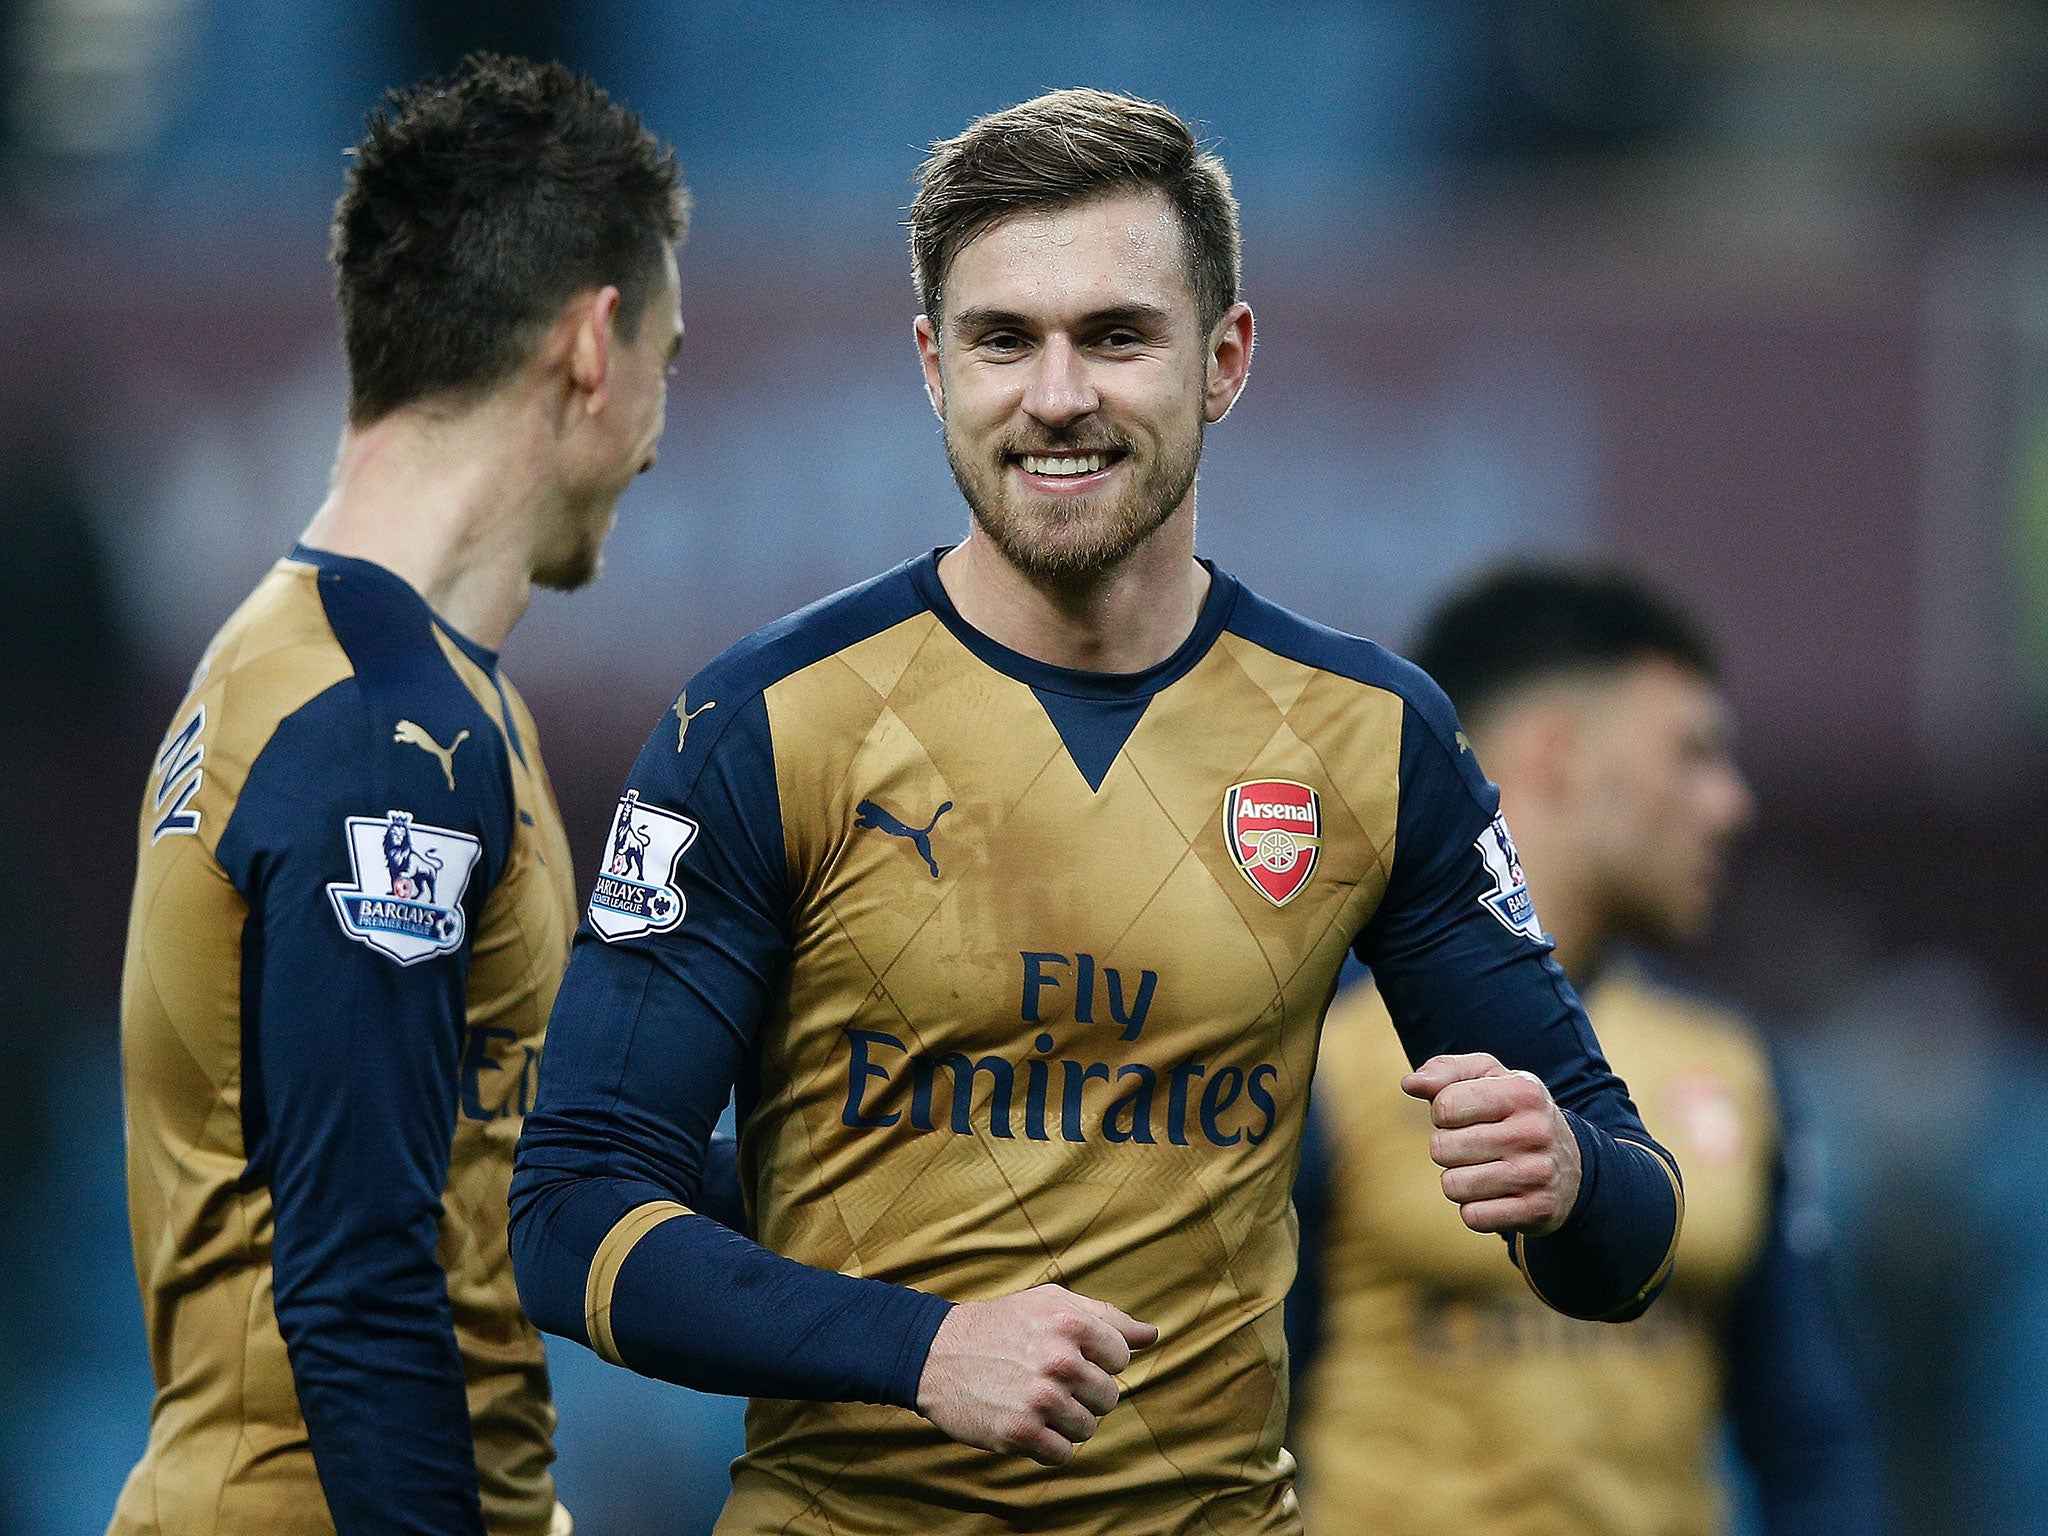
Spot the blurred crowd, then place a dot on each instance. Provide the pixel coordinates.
(1748, 293)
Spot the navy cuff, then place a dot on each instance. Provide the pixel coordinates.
(1612, 1256)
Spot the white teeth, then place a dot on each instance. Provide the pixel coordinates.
(1087, 464)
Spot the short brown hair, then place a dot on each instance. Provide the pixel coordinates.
(477, 206)
(1068, 147)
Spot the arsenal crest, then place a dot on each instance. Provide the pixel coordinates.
(1273, 827)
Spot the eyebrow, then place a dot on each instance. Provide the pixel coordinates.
(988, 318)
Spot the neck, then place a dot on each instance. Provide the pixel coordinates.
(1565, 902)
(1124, 619)
(450, 505)
(1581, 941)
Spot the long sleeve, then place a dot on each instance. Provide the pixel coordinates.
(1799, 1413)
(364, 877)
(657, 1020)
(1463, 965)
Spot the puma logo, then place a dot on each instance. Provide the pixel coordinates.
(684, 715)
(411, 735)
(875, 819)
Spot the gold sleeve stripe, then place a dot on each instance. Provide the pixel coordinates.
(1677, 1221)
(604, 1270)
(1670, 1254)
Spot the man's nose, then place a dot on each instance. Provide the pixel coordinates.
(1060, 393)
(1735, 800)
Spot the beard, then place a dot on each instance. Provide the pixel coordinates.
(577, 558)
(1666, 912)
(1075, 539)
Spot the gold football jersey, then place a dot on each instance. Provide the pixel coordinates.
(351, 915)
(1442, 1397)
(1019, 973)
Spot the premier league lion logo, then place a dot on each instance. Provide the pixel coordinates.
(626, 902)
(629, 850)
(410, 905)
(412, 872)
(1508, 898)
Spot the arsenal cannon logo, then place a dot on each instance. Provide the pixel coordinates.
(1273, 828)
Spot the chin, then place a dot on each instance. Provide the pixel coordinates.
(571, 573)
(1067, 548)
(1672, 925)
(1070, 539)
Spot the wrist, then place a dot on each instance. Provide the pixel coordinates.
(1586, 1139)
(913, 1372)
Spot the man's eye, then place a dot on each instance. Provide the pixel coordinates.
(1002, 341)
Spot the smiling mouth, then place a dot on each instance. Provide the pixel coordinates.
(1065, 466)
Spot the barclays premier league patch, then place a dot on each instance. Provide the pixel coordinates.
(636, 890)
(1509, 899)
(406, 900)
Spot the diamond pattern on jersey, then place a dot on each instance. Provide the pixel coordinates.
(1187, 1230)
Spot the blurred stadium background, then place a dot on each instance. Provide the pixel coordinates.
(1753, 293)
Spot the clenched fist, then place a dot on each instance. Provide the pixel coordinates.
(1031, 1373)
(1510, 1160)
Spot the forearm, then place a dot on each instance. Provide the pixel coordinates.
(1613, 1253)
(380, 1384)
(619, 1265)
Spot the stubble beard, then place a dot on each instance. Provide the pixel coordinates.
(1075, 541)
(580, 559)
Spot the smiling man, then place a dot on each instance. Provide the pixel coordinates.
(1008, 890)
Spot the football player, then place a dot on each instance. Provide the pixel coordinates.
(1008, 889)
(1436, 1397)
(354, 904)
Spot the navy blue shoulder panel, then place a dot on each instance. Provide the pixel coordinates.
(403, 727)
(1657, 974)
(409, 690)
(1317, 645)
(1429, 721)
(799, 640)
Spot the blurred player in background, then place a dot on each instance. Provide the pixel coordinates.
(1009, 889)
(1437, 1393)
(354, 902)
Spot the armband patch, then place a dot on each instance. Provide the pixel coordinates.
(1509, 898)
(636, 890)
(406, 900)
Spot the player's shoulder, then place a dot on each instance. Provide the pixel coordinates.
(1302, 640)
(336, 680)
(401, 657)
(722, 690)
(1640, 989)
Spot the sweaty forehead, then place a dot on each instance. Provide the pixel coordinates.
(1060, 263)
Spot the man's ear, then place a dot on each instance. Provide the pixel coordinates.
(928, 354)
(1551, 734)
(1230, 362)
(593, 339)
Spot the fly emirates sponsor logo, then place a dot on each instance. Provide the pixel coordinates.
(1045, 1094)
